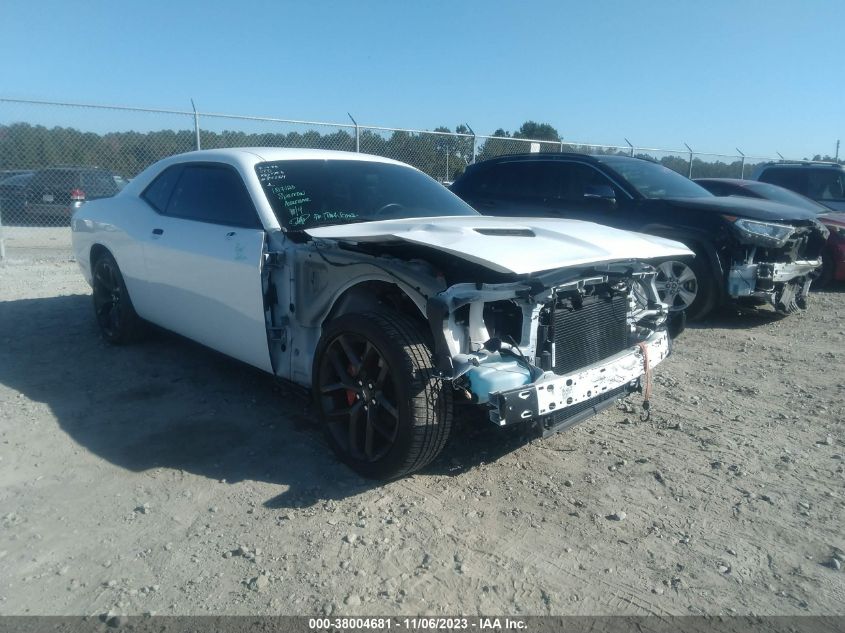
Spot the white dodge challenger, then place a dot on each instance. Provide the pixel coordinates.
(367, 281)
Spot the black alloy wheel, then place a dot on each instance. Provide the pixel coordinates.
(359, 397)
(118, 321)
(385, 412)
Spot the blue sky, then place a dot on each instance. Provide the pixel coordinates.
(766, 76)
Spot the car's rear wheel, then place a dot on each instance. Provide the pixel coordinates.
(384, 411)
(118, 321)
(686, 284)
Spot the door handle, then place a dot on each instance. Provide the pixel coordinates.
(158, 231)
(230, 235)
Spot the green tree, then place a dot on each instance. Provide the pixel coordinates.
(537, 132)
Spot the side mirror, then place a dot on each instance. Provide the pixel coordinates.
(600, 192)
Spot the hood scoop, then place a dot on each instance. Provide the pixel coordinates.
(506, 232)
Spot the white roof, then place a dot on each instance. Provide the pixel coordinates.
(259, 154)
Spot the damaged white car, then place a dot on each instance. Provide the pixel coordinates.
(370, 283)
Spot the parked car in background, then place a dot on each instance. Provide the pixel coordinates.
(56, 192)
(8, 173)
(13, 196)
(753, 251)
(819, 181)
(833, 255)
(369, 282)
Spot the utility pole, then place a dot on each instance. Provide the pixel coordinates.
(837, 150)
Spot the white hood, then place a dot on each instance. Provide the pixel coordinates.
(522, 245)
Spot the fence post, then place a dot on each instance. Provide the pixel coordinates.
(471, 131)
(357, 135)
(196, 125)
(742, 166)
(689, 175)
(631, 146)
(2, 237)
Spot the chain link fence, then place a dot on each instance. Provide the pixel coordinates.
(56, 156)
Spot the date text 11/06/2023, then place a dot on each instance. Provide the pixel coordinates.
(417, 623)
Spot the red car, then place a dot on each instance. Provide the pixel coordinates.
(833, 257)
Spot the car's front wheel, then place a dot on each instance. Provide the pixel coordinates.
(686, 284)
(825, 273)
(385, 412)
(118, 321)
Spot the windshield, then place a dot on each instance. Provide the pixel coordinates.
(785, 196)
(306, 194)
(654, 181)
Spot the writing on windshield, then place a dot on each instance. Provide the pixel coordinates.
(314, 192)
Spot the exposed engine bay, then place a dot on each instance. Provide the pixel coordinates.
(552, 352)
(549, 348)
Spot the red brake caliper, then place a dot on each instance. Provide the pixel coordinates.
(350, 393)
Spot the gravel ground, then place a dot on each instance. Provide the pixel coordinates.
(165, 478)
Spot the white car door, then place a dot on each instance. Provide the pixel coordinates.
(203, 257)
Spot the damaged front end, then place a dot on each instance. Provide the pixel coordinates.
(775, 263)
(555, 348)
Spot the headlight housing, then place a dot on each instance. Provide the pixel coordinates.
(761, 233)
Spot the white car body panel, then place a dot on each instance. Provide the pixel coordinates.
(555, 243)
(207, 281)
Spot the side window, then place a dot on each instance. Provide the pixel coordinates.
(825, 184)
(99, 182)
(473, 183)
(211, 193)
(581, 179)
(536, 181)
(733, 190)
(157, 193)
(487, 182)
(795, 179)
(718, 189)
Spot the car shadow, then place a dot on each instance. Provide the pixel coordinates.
(168, 402)
(734, 317)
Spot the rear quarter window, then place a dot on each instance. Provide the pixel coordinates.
(157, 193)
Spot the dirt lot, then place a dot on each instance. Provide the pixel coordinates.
(165, 478)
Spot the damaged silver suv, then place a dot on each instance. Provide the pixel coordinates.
(370, 283)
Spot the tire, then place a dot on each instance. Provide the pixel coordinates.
(687, 283)
(384, 412)
(826, 272)
(119, 323)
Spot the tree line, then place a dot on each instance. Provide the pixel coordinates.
(442, 156)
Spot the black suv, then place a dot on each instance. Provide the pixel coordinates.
(822, 182)
(57, 192)
(755, 251)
